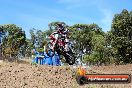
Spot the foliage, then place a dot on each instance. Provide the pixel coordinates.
(84, 36)
(38, 38)
(13, 40)
(89, 40)
(122, 36)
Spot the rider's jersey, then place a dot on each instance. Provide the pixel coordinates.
(54, 36)
(59, 37)
(53, 39)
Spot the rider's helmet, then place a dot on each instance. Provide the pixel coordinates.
(60, 26)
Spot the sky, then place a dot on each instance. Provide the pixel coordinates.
(38, 14)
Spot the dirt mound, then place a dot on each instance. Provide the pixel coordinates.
(14, 75)
(31, 76)
(114, 69)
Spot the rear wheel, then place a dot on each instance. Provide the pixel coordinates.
(70, 59)
(69, 56)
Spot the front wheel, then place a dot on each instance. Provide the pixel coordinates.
(70, 59)
(69, 56)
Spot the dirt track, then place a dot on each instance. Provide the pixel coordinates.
(30, 76)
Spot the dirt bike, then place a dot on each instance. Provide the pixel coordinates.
(69, 55)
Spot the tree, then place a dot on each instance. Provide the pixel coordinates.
(98, 42)
(13, 40)
(40, 38)
(2, 34)
(28, 48)
(122, 36)
(82, 35)
(33, 37)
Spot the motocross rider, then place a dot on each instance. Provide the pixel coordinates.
(60, 37)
